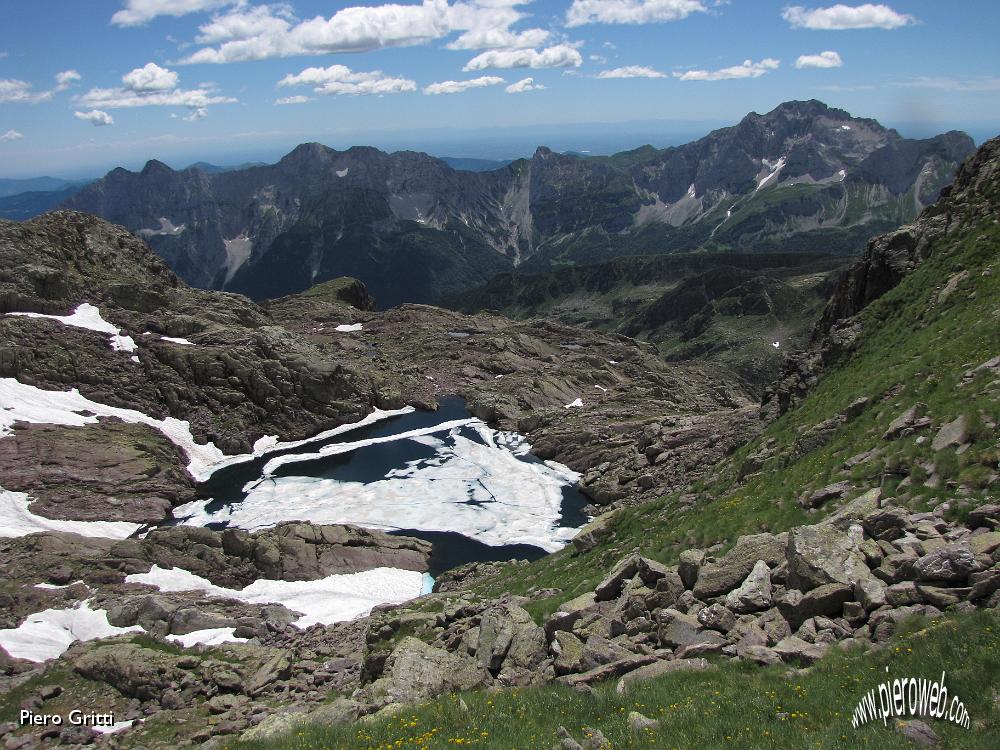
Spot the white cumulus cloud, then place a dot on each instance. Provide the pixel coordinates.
(524, 85)
(828, 59)
(95, 117)
(11, 135)
(499, 38)
(748, 69)
(559, 56)
(139, 12)
(150, 77)
(245, 23)
(631, 71)
(339, 79)
(297, 99)
(13, 90)
(196, 114)
(263, 32)
(67, 78)
(631, 11)
(457, 87)
(153, 86)
(841, 17)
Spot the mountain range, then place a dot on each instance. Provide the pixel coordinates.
(803, 177)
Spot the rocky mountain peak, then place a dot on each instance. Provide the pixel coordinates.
(154, 167)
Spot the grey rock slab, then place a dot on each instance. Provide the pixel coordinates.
(754, 593)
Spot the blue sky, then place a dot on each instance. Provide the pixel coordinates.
(85, 86)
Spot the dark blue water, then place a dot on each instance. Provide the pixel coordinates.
(372, 463)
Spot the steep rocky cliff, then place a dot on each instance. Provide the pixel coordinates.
(802, 177)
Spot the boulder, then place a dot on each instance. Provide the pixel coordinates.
(827, 599)
(678, 630)
(918, 733)
(870, 592)
(952, 434)
(337, 712)
(904, 421)
(511, 642)
(822, 554)
(568, 650)
(274, 726)
(133, 670)
(774, 625)
(657, 670)
(852, 512)
(649, 571)
(984, 583)
(825, 494)
(142, 610)
(416, 672)
(189, 619)
(987, 516)
(761, 655)
(599, 650)
(593, 534)
(754, 593)
(951, 563)
(886, 523)
(720, 577)
(902, 594)
(570, 612)
(689, 564)
(717, 617)
(607, 671)
(984, 544)
(278, 667)
(942, 598)
(793, 649)
(639, 723)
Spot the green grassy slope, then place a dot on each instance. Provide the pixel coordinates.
(733, 706)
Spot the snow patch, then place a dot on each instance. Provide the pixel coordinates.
(207, 637)
(601, 388)
(166, 228)
(176, 340)
(336, 598)
(845, 127)
(56, 586)
(17, 520)
(118, 726)
(574, 404)
(89, 317)
(47, 634)
(349, 328)
(343, 172)
(774, 168)
(238, 251)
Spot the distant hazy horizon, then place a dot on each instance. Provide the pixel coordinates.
(498, 144)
